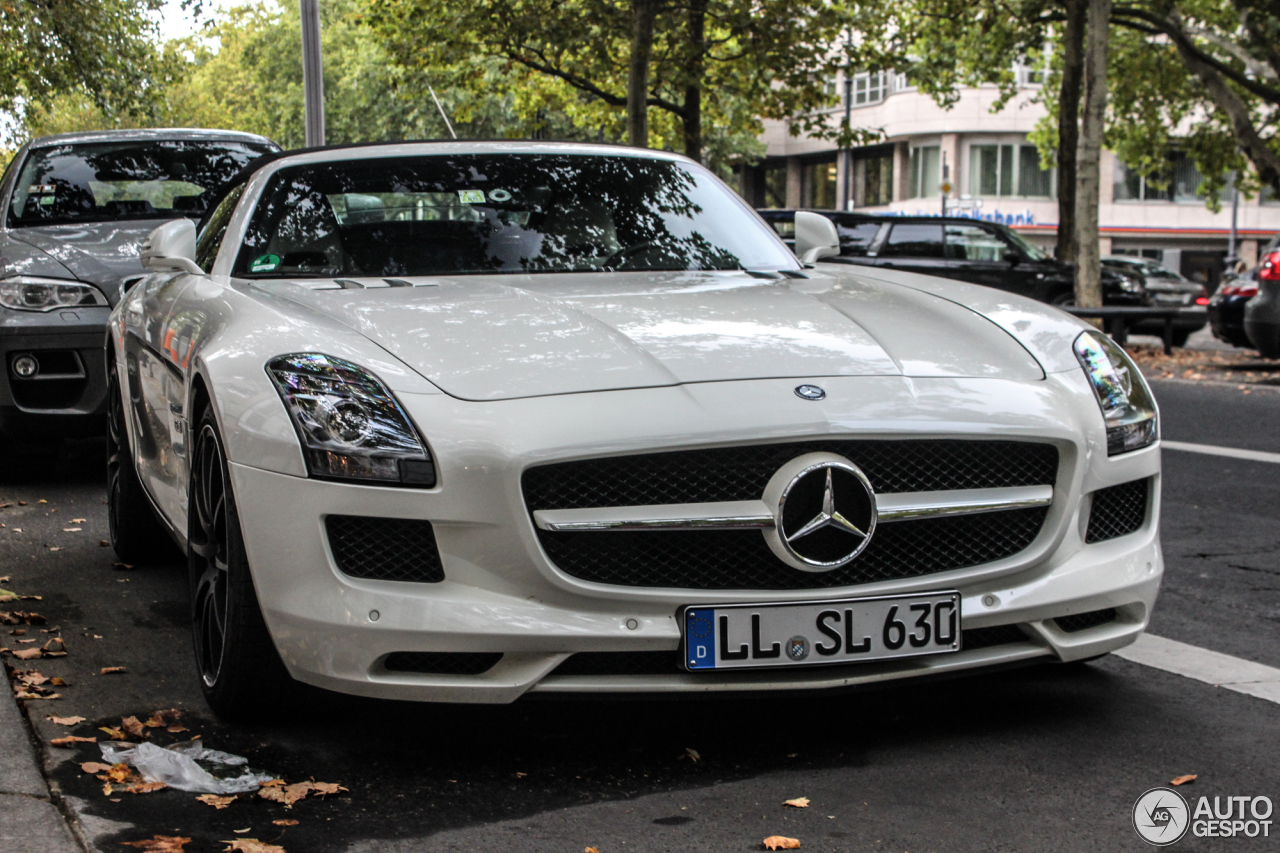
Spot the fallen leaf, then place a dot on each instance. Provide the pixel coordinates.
(798, 802)
(42, 501)
(79, 520)
(28, 654)
(55, 549)
(18, 632)
(216, 801)
(55, 646)
(71, 740)
(59, 682)
(65, 721)
(102, 543)
(119, 773)
(323, 789)
(115, 734)
(132, 726)
(251, 845)
(1182, 780)
(693, 753)
(176, 727)
(32, 640)
(95, 767)
(781, 842)
(155, 721)
(26, 694)
(285, 821)
(591, 850)
(71, 530)
(146, 787)
(287, 795)
(112, 670)
(160, 844)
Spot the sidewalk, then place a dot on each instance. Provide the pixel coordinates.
(29, 822)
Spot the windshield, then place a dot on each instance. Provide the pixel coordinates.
(1032, 251)
(106, 182)
(502, 213)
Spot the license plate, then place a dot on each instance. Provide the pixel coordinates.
(816, 632)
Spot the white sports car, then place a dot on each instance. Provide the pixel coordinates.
(458, 421)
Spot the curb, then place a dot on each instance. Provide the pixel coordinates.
(32, 822)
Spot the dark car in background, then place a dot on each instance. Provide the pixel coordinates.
(959, 248)
(1262, 311)
(1166, 289)
(1226, 309)
(74, 212)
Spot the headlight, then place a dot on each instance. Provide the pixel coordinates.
(350, 425)
(30, 293)
(1126, 401)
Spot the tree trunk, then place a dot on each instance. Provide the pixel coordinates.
(643, 15)
(1089, 156)
(1069, 125)
(692, 114)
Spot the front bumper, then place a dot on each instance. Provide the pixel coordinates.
(70, 399)
(501, 594)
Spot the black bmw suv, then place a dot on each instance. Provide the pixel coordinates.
(960, 248)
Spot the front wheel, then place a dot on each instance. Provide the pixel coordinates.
(241, 673)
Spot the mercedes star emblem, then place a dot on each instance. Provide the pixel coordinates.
(825, 512)
(810, 392)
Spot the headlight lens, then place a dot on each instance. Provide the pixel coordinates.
(350, 425)
(1126, 401)
(30, 293)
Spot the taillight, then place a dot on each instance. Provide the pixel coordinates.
(1249, 289)
(1202, 300)
(1270, 269)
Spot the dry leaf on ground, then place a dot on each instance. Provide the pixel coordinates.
(119, 773)
(112, 670)
(55, 646)
(176, 728)
(28, 654)
(781, 842)
(160, 844)
(114, 734)
(156, 721)
(79, 520)
(216, 801)
(251, 845)
(1182, 780)
(692, 753)
(71, 740)
(133, 726)
(798, 802)
(146, 787)
(278, 792)
(95, 767)
(285, 821)
(591, 850)
(65, 721)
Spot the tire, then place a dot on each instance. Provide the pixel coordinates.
(241, 673)
(137, 536)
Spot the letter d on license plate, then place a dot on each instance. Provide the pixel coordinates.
(800, 633)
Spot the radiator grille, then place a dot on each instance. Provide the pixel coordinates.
(741, 559)
(388, 549)
(741, 473)
(1085, 621)
(1117, 510)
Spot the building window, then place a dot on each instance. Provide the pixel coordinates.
(874, 180)
(1180, 180)
(775, 185)
(869, 88)
(902, 82)
(925, 176)
(818, 185)
(1008, 170)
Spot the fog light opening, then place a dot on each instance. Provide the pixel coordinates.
(25, 366)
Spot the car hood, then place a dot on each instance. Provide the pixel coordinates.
(507, 336)
(101, 253)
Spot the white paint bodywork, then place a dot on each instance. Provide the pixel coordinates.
(500, 373)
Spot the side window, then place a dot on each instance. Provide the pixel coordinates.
(855, 238)
(909, 240)
(975, 243)
(209, 241)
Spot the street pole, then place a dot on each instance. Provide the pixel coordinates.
(1235, 213)
(848, 152)
(312, 73)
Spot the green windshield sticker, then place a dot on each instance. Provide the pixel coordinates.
(265, 263)
(471, 196)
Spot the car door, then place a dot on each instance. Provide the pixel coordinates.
(914, 247)
(978, 255)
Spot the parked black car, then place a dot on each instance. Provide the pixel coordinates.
(1226, 309)
(1166, 289)
(960, 248)
(1262, 311)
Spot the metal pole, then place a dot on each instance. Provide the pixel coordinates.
(312, 73)
(1235, 213)
(848, 153)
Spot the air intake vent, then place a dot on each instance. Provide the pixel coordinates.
(385, 549)
(1085, 621)
(442, 663)
(1117, 510)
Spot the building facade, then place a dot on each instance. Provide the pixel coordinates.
(994, 173)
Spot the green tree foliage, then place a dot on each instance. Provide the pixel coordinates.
(716, 68)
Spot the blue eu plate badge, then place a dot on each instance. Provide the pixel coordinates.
(700, 637)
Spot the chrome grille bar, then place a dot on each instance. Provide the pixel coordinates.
(754, 515)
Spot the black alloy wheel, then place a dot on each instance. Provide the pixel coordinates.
(241, 673)
(137, 536)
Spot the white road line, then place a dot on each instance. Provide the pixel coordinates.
(1233, 673)
(1215, 450)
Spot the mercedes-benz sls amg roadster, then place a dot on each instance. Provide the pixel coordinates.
(460, 421)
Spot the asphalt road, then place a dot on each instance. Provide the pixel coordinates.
(1035, 759)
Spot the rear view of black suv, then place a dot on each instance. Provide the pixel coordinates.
(964, 249)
